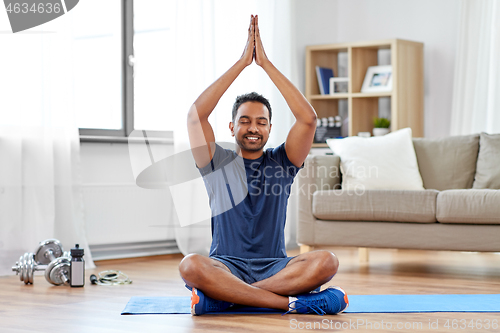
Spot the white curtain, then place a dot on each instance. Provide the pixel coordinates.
(210, 37)
(40, 191)
(476, 98)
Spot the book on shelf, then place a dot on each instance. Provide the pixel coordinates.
(324, 74)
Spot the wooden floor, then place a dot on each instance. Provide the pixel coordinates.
(45, 308)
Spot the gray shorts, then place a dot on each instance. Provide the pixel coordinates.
(254, 269)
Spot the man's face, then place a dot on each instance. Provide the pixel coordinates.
(251, 126)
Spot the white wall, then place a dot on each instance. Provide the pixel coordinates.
(314, 23)
(434, 23)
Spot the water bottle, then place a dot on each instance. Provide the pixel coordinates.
(77, 267)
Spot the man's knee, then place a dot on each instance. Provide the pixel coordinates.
(190, 266)
(328, 264)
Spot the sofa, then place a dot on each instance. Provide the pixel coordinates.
(459, 209)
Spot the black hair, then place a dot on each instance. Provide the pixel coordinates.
(250, 97)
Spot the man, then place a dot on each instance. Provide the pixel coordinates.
(248, 190)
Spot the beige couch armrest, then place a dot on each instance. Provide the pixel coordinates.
(321, 172)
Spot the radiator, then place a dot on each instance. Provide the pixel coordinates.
(123, 220)
(132, 250)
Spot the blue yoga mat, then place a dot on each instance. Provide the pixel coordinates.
(178, 305)
(423, 303)
(357, 304)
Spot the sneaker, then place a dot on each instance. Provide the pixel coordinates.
(332, 300)
(201, 304)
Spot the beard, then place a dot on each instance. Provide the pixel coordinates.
(245, 144)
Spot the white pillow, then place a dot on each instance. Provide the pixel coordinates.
(385, 162)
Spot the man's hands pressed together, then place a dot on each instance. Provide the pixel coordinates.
(254, 50)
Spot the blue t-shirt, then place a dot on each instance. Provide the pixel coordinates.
(248, 199)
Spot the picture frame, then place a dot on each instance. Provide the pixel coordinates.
(339, 85)
(377, 79)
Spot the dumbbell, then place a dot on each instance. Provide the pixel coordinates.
(26, 268)
(46, 252)
(57, 272)
(51, 252)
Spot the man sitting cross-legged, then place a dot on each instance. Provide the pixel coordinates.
(249, 189)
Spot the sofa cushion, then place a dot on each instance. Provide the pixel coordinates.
(447, 163)
(380, 163)
(468, 206)
(376, 205)
(488, 162)
(325, 171)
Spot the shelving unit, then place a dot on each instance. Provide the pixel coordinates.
(407, 95)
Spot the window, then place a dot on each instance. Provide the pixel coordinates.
(122, 66)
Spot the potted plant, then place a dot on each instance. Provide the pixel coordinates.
(381, 126)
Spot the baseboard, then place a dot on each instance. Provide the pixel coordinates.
(133, 250)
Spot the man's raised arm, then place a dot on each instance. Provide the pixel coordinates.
(201, 134)
(299, 140)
